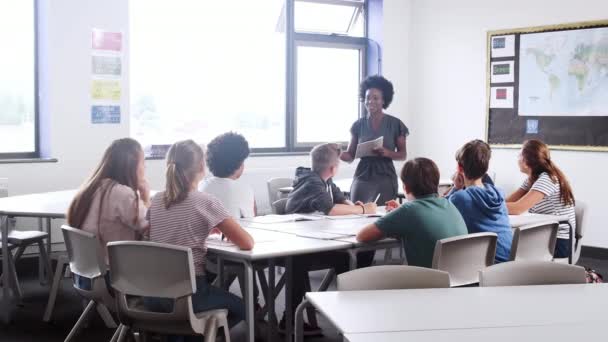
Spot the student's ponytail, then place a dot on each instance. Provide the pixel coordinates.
(184, 162)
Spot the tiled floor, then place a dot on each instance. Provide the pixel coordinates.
(27, 324)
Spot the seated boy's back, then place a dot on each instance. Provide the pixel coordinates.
(420, 224)
(311, 193)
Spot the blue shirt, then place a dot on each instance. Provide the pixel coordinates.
(485, 210)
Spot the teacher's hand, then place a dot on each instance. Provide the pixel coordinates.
(382, 152)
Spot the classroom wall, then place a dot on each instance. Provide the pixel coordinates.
(444, 52)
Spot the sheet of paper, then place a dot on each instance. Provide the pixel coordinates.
(216, 240)
(322, 235)
(501, 97)
(366, 149)
(267, 219)
(503, 46)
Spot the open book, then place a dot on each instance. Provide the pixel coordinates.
(366, 149)
(267, 219)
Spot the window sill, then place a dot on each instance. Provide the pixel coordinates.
(258, 154)
(28, 161)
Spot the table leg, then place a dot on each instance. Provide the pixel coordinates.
(220, 272)
(41, 277)
(288, 303)
(272, 316)
(249, 302)
(5, 271)
(352, 258)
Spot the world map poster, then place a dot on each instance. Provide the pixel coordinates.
(564, 73)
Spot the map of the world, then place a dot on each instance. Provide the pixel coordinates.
(564, 73)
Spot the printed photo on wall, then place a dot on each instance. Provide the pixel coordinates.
(503, 46)
(502, 72)
(501, 97)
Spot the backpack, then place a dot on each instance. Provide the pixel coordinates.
(593, 276)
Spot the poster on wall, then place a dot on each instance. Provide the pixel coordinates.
(502, 72)
(106, 72)
(503, 46)
(501, 97)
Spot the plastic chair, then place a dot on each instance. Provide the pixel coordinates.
(278, 206)
(463, 256)
(392, 277)
(274, 184)
(62, 263)
(149, 269)
(12, 276)
(87, 262)
(534, 242)
(515, 273)
(579, 212)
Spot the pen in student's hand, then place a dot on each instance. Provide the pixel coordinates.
(377, 198)
(223, 237)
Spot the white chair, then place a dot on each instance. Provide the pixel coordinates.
(62, 263)
(88, 265)
(392, 277)
(274, 184)
(515, 273)
(534, 242)
(579, 232)
(278, 206)
(463, 256)
(149, 269)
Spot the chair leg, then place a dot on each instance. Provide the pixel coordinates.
(46, 261)
(80, 321)
(13, 279)
(50, 305)
(310, 311)
(123, 333)
(116, 333)
(106, 316)
(210, 330)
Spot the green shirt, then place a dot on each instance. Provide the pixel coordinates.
(420, 223)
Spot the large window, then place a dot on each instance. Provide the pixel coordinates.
(18, 131)
(272, 70)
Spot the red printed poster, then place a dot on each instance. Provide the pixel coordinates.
(105, 40)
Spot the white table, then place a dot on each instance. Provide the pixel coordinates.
(345, 183)
(47, 206)
(354, 312)
(565, 332)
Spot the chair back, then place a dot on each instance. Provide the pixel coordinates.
(278, 206)
(149, 269)
(579, 213)
(534, 242)
(515, 273)
(392, 277)
(463, 256)
(86, 261)
(274, 184)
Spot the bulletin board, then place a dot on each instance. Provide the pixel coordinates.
(549, 83)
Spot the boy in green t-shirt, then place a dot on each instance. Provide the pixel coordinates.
(421, 221)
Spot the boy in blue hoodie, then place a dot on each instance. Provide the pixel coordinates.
(481, 204)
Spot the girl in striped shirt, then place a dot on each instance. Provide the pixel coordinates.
(545, 191)
(183, 216)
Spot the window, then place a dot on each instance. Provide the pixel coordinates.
(200, 68)
(18, 112)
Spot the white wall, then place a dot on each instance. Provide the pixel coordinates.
(441, 46)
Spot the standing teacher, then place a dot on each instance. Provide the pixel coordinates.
(376, 174)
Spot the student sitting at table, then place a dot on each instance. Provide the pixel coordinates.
(314, 191)
(481, 204)
(226, 156)
(112, 203)
(423, 219)
(183, 216)
(545, 191)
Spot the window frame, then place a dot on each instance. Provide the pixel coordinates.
(322, 42)
(294, 39)
(36, 153)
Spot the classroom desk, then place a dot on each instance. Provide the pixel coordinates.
(345, 183)
(564, 332)
(50, 205)
(279, 246)
(353, 312)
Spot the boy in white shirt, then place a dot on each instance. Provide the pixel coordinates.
(226, 155)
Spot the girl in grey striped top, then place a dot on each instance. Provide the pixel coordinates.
(545, 191)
